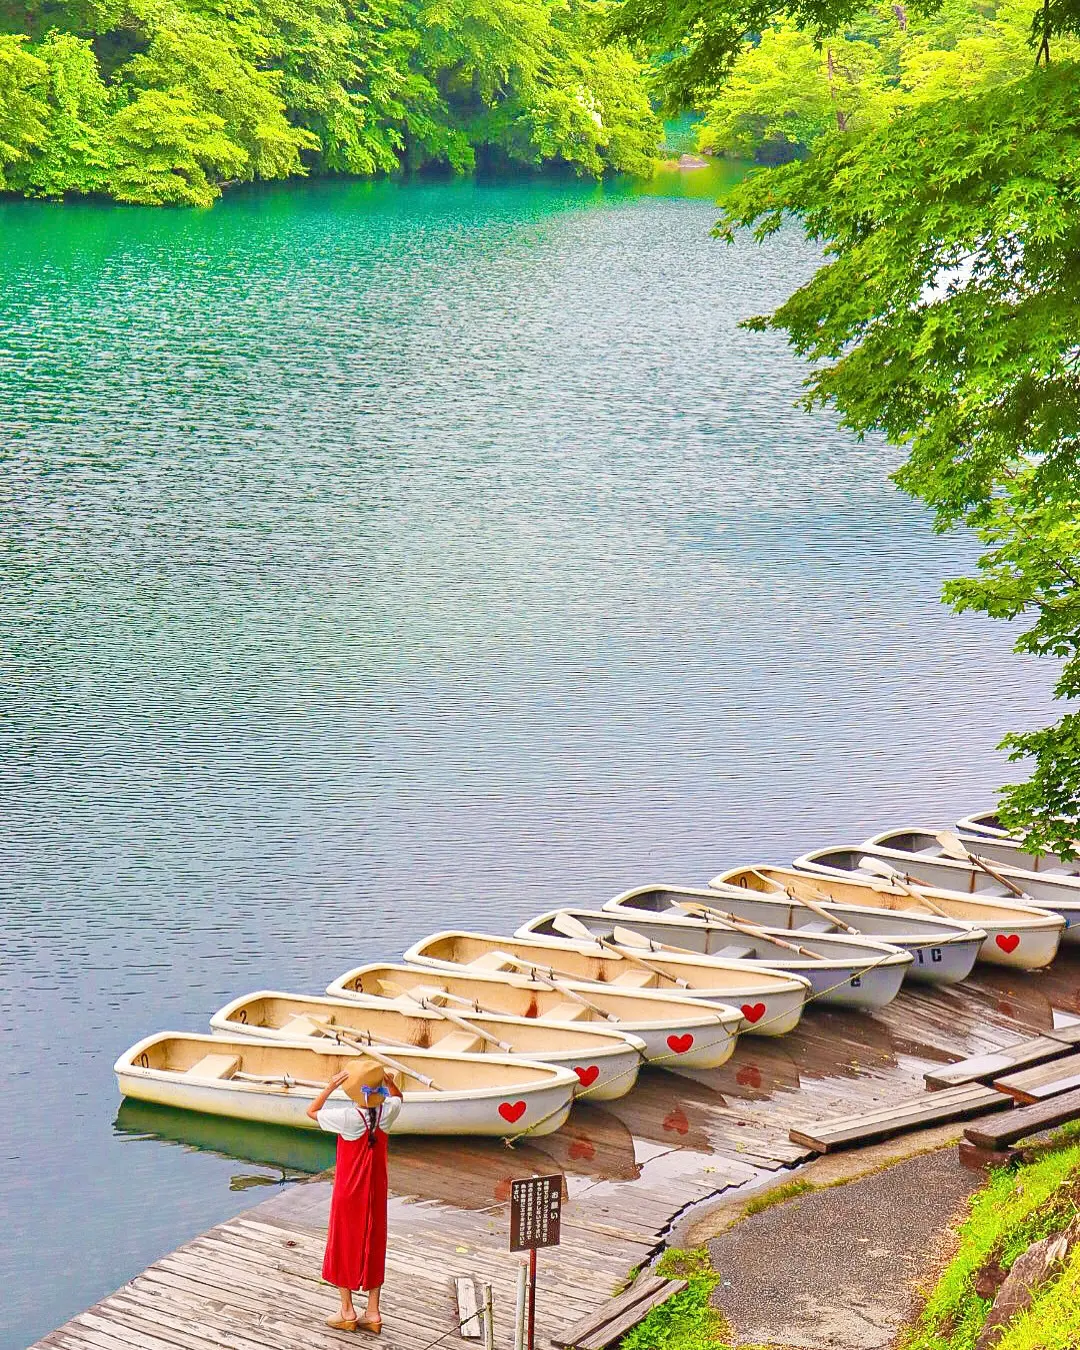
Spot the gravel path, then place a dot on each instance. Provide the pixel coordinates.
(835, 1269)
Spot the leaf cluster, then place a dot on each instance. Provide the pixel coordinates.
(945, 317)
(165, 101)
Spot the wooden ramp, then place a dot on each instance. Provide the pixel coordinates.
(632, 1168)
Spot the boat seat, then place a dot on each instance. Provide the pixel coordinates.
(734, 951)
(492, 961)
(634, 979)
(214, 1067)
(459, 1043)
(301, 1025)
(816, 926)
(565, 1012)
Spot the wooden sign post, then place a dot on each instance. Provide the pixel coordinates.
(535, 1216)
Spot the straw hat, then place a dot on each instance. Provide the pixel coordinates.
(365, 1073)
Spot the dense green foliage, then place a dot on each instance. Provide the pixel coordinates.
(166, 100)
(687, 1321)
(946, 317)
(1015, 1209)
(787, 89)
(944, 186)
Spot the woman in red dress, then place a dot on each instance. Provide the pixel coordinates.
(356, 1243)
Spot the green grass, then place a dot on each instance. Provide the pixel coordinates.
(778, 1196)
(686, 1321)
(1014, 1209)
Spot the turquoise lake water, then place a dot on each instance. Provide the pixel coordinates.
(377, 558)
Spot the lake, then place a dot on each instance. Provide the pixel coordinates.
(383, 557)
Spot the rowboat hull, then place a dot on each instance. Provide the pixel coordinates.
(771, 1001)
(486, 1095)
(911, 851)
(676, 1032)
(1011, 852)
(941, 952)
(1022, 937)
(854, 973)
(606, 1063)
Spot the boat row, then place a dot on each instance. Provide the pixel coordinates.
(498, 1035)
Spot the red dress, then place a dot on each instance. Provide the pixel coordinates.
(356, 1242)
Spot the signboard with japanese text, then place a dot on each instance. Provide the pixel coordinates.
(535, 1212)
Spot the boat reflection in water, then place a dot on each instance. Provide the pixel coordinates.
(293, 1151)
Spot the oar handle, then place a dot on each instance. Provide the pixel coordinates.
(465, 1025)
(999, 877)
(797, 899)
(752, 930)
(284, 1080)
(541, 977)
(636, 960)
(379, 1056)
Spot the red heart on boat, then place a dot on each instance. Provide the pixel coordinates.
(680, 1044)
(582, 1148)
(512, 1111)
(753, 1012)
(588, 1076)
(676, 1120)
(1008, 942)
(749, 1075)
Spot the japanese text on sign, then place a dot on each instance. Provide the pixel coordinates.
(535, 1212)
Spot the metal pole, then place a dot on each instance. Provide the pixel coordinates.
(489, 1319)
(519, 1311)
(532, 1297)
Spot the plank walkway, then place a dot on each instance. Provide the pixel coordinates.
(631, 1168)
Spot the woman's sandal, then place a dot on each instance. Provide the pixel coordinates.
(342, 1323)
(373, 1327)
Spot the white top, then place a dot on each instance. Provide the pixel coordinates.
(348, 1120)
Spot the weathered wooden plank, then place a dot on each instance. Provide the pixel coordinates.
(470, 1327)
(983, 1068)
(589, 1326)
(1045, 1080)
(616, 1329)
(618, 1315)
(938, 1108)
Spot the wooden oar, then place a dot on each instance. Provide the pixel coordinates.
(791, 894)
(285, 1080)
(953, 847)
(549, 979)
(750, 929)
(566, 923)
(880, 868)
(430, 1006)
(387, 1061)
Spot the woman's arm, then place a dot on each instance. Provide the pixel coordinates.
(320, 1101)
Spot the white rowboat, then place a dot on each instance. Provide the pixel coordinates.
(678, 1032)
(941, 952)
(771, 1001)
(274, 1082)
(606, 1062)
(920, 853)
(843, 971)
(1021, 936)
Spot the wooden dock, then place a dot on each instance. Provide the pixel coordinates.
(632, 1167)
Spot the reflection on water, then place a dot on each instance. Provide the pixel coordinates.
(304, 1151)
(378, 558)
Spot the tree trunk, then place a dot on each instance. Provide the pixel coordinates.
(841, 119)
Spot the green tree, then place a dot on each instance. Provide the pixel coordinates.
(23, 110)
(73, 154)
(787, 90)
(946, 317)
